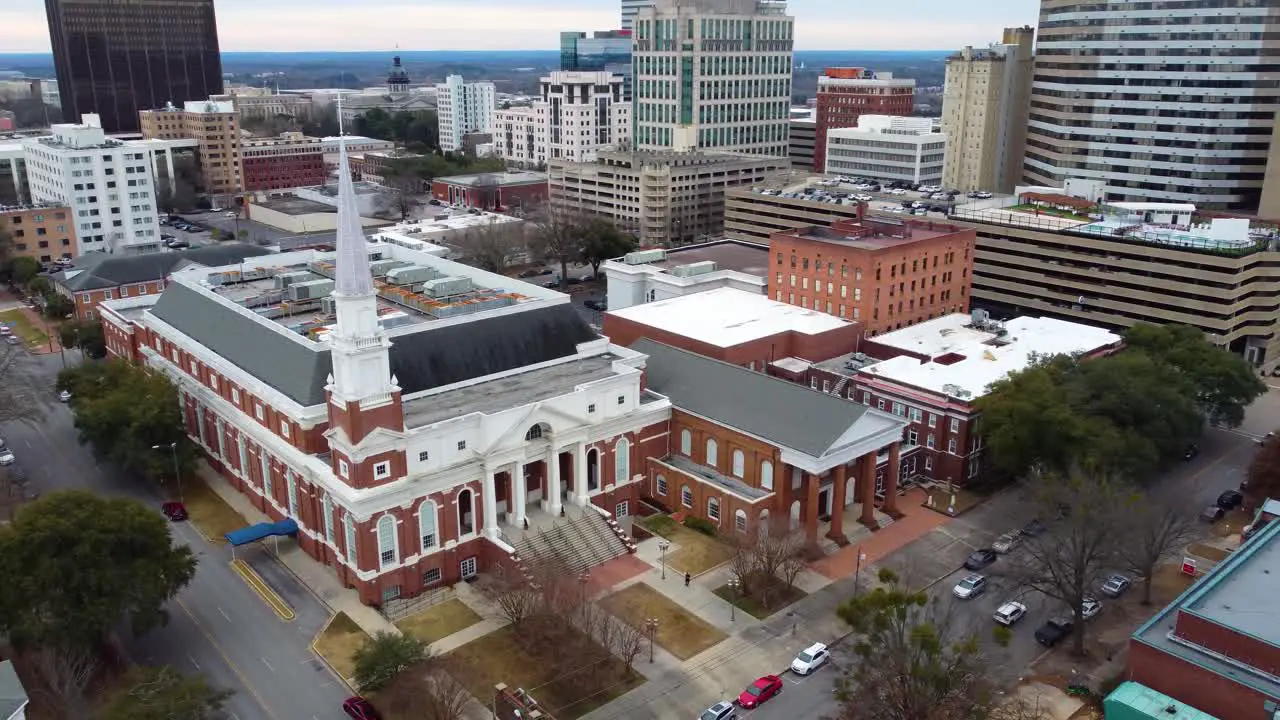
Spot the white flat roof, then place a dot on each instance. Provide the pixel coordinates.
(725, 317)
(984, 356)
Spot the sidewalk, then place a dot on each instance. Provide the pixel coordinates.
(310, 573)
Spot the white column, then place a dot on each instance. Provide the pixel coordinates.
(551, 498)
(489, 499)
(222, 432)
(580, 474)
(200, 425)
(519, 495)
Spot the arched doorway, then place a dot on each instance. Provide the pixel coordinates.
(593, 470)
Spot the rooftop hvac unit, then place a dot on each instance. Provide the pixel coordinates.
(328, 306)
(446, 286)
(640, 257)
(382, 267)
(284, 280)
(411, 275)
(979, 317)
(698, 268)
(313, 290)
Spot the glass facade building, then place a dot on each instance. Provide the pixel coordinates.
(115, 58)
(607, 50)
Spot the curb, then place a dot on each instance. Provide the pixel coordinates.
(316, 651)
(255, 581)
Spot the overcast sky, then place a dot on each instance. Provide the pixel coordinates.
(533, 24)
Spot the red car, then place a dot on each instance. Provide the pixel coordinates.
(357, 708)
(175, 511)
(759, 691)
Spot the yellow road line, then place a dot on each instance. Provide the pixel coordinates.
(316, 649)
(227, 659)
(255, 581)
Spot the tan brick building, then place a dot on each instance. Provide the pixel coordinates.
(216, 125)
(43, 232)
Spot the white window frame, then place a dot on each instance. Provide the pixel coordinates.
(766, 475)
(388, 557)
(686, 496)
(928, 462)
(426, 510)
(382, 470)
(621, 461)
(955, 425)
(662, 485)
(951, 445)
(686, 442)
(929, 441)
(622, 509)
(713, 509)
(326, 509)
(740, 520)
(284, 429)
(427, 578)
(349, 531)
(739, 463)
(258, 411)
(344, 470)
(712, 452)
(292, 487)
(424, 456)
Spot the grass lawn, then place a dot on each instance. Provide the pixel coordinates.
(1028, 207)
(338, 643)
(210, 513)
(1208, 552)
(439, 621)
(696, 553)
(779, 598)
(563, 681)
(21, 325)
(681, 633)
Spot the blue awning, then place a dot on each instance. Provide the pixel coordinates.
(254, 533)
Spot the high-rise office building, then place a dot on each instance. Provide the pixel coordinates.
(984, 113)
(713, 74)
(463, 108)
(576, 114)
(215, 124)
(604, 51)
(1168, 104)
(115, 58)
(846, 94)
(630, 8)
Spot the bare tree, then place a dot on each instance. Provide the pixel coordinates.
(518, 600)
(19, 400)
(1068, 562)
(425, 692)
(494, 245)
(68, 670)
(1153, 531)
(763, 560)
(560, 237)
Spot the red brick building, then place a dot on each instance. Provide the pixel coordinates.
(1217, 647)
(499, 192)
(880, 272)
(289, 161)
(846, 94)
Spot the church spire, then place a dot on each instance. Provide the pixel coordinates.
(353, 276)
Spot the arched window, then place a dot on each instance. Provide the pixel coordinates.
(712, 451)
(387, 551)
(349, 533)
(466, 512)
(621, 461)
(686, 496)
(534, 433)
(713, 510)
(739, 463)
(766, 475)
(427, 525)
(686, 443)
(326, 507)
(740, 521)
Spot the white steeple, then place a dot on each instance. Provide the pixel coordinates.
(360, 349)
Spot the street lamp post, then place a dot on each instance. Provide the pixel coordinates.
(177, 474)
(663, 545)
(734, 584)
(583, 578)
(651, 625)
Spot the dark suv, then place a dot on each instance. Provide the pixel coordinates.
(1053, 631)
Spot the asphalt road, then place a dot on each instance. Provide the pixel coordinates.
(935, 561)
(218, 626)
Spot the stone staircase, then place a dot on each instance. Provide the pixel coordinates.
(577, 544)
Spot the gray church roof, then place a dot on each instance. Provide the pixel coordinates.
(781, 412)
(423, 360)
(98, 270)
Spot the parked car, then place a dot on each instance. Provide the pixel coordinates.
(1230, 500)
(810, 659)
(1010, 613)
(1053, 631)
(357, 708)
(980, 558)
(760, 691)
(970, 587)
(723, 710)
(1212, 514)
(1115, 586)
(7, 457)
(175, 511)
(1007, 542)
(1090, 608)
(600, 305)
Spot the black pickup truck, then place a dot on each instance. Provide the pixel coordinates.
(1053, 631)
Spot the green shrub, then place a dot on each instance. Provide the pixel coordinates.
(1002, 635)
(660, 524)
(703, 526)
